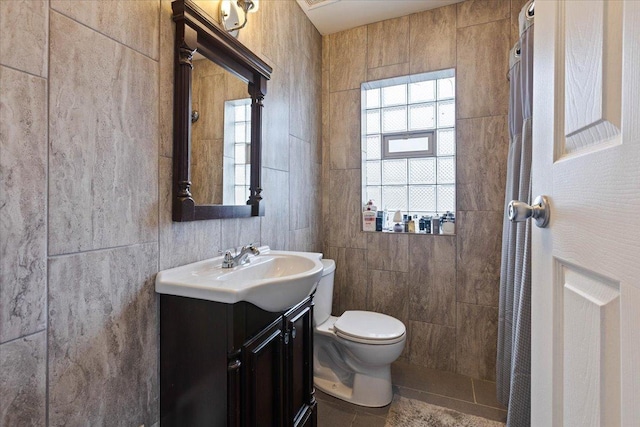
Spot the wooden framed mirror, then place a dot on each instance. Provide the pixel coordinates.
(202, 43)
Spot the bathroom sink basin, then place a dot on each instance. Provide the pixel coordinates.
(273, 280)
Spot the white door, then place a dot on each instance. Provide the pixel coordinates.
(586, 263)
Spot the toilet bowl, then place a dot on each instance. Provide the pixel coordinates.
(353, 353)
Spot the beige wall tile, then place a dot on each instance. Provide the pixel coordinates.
(388, 71)
(433, 40)
(25, 38)
(336, 254)
(23, 364)
(350, 280)
(433, 346)
(476, 341)
(278, 42)
(300, 183)
(483, 147)
(348, 66)
(134, 24)
(345, 224)
(432, 279)
(344, 138)
(103, 337)
(473, 12)
(103, 179)
(238, 232)
(302, 89)
(388, 251)
(165, 76)
(388, 293)
(23, 186)
(479, 247)
(483, 62)
(275, 123)
(388, 42)
(275, 224)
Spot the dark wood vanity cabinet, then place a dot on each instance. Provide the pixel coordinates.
(235, 364)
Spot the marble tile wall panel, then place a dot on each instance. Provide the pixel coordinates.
(301, 84)
(345, 222)
(482, 65)
(300, 180)
(25, 39)
(352, 279)
(184, 242)
(479, 241)
(238, 232)
(275, 224)
(275, 124)
(433, 346)
(473, 12)
(345, 143)
(23, 185)
(103, 337)
(301, 240)
(102, 179)
(134, 24)
(432, 40)
(432, 279)
(476, 341)
(348, 62)
(23, 378)
(165, 76)
(483, 147)
(388, 42)
(388, 293)
(278, 42)
(388, 251)
(336, 254)
(388, 71)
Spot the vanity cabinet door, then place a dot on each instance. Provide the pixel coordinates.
(262, 373)
(299, 397)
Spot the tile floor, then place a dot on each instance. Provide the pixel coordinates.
(454, 391)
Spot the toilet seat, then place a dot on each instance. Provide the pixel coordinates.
(368, 327)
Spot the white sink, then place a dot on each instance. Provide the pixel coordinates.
(273, 280)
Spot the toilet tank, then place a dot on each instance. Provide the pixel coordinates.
(323, 298)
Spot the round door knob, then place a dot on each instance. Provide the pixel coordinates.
(520, 211)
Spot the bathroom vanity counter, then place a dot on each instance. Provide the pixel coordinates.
(235, 364)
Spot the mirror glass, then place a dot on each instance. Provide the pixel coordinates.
(220, 135)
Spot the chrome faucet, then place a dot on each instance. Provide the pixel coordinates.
(230, 261)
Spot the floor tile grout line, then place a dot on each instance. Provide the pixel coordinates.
(452, 398)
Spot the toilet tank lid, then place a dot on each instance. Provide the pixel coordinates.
(328, 266)
(369, 325)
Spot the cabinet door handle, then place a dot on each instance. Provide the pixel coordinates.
(234, 365)
(286, 338)
(293, 333)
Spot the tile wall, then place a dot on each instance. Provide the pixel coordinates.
(85, 195)
(444, 288)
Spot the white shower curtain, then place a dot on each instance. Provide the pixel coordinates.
(513, 371)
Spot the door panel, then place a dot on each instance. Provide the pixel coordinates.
(593, 58)
(586, 265)
(262, 373)
(299, 357)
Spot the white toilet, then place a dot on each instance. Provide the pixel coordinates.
(352, 354)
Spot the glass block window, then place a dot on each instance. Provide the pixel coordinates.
(408, 143)
(238, 132)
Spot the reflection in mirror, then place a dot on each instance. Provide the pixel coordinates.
(220, 137)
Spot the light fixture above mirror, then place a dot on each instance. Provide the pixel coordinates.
(230, 11)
